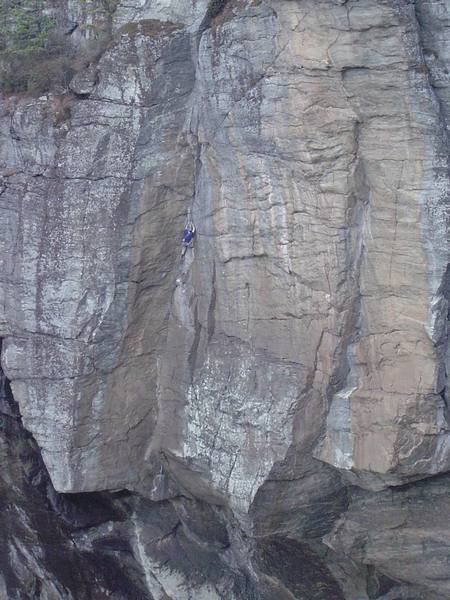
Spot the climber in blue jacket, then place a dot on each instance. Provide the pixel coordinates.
(188, 237)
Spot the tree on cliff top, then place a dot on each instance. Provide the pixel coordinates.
(34, 55)
(24, 26)
(31, 55)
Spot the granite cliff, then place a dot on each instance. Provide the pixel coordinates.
(266, 418)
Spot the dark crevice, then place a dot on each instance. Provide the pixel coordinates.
(417, 484)
(212, 306)
(72, 29)
(192, 358)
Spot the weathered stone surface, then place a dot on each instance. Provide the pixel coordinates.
(394, 529)
(83, 83)
(299, 348)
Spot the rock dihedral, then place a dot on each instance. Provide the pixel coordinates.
(289, 375)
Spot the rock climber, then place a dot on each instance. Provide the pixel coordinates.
(188, 237)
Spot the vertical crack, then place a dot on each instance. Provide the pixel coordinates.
(212, 306)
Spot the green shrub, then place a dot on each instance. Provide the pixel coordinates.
(24, 27)
(26, 43)
(34, 56)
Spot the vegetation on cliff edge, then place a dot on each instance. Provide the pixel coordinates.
(35, 55)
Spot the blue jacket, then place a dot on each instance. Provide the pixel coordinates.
(188, 236)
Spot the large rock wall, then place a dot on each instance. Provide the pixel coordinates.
(299, 349)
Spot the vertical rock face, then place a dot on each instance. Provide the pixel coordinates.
(262, 396)
(79, 227)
